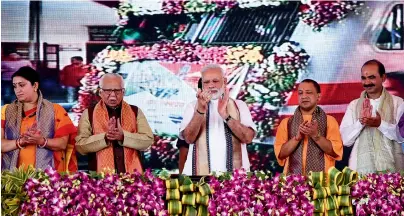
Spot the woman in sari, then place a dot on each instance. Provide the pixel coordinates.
(35, 131)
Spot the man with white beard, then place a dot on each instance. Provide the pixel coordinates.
(218, 126)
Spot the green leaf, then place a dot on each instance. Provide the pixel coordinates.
(12, 190)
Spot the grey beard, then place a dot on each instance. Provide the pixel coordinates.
(217, 95)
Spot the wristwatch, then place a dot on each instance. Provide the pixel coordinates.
(227, 119)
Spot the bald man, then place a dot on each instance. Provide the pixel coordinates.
(113, 132)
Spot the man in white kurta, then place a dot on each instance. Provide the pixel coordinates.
(400, 126)
(215, 97)
(370, 125)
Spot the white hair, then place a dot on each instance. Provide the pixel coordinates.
(212, 67)
(111, 75)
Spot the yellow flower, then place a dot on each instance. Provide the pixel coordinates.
(238, 54)
(113, 54)
(258, 48)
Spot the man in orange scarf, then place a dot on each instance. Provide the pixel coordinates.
(113, 132)
(310, 139)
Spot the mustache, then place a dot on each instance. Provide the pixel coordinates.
(370, 85)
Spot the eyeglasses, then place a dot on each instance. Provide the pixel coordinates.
(109, 91)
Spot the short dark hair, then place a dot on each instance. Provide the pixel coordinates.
(382, 69)
(79, 58)
(27, 73)
(316, 85)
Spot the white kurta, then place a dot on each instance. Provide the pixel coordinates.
(217, 139)
(351, 128)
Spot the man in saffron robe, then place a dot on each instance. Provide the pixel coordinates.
(310, 139)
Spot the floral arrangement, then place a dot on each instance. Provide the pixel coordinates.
(79, 194)
(259, 3)
(318, 14)
(109, 59)
(269, 83)
(262, 157)
(200, 6)
(259, 194)
(36, 192)
(178, 50)
(173, 7)
(127, 8)
(379, 194)
(214, 54)
(163, 152)
(87, 93)
(246, 55)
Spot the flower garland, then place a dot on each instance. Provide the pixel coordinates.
(318, 14)
(269, 83)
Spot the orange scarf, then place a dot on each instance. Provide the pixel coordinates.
(105, 157)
